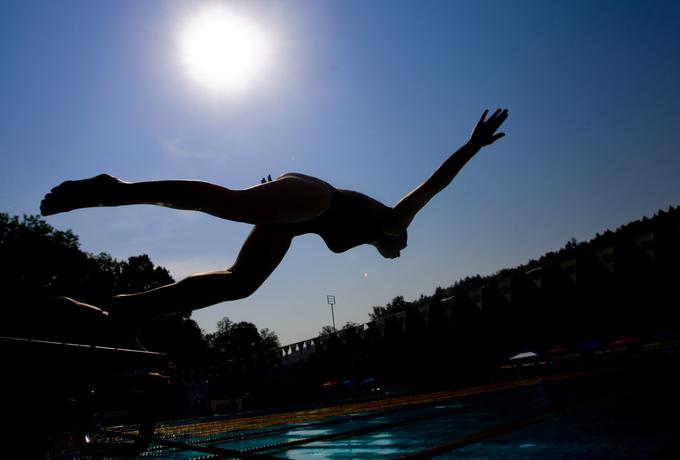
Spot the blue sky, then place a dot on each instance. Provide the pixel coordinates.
(370, 96)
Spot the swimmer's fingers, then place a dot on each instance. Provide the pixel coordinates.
(484, 132)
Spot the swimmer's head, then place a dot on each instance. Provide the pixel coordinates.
(390, 247)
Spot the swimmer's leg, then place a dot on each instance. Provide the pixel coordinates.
(291, 198)
(260, 255)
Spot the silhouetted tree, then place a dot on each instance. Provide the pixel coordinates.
(270, 341)
(327, 330)
(240, 340)
(138, 274)
(398, 304)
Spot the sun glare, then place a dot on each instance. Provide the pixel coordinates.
(222, 51)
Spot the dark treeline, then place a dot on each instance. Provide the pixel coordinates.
(621, 283)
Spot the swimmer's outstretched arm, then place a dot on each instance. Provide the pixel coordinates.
(483, 134)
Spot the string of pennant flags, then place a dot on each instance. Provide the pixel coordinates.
(569, 266)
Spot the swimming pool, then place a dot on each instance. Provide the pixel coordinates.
(611, 414)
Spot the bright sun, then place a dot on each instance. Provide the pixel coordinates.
(222, 51)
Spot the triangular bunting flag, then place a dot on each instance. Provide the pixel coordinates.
(401, 317)
(476, 296)
(536, 276)
(370, 328)
(646, 243)
(342, 335)
(380, 324)
(447, 311)
(505, 286)
(606, 256)
(569, 266)
(424, 311)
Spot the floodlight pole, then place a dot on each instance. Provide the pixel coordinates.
(330, 300)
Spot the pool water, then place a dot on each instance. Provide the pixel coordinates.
(611, 415)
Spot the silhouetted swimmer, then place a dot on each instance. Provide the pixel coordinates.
(281, 209)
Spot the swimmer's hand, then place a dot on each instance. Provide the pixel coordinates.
(484, 132)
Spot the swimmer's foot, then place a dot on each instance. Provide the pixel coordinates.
(78, 322)
(101, 190)
(63, 319)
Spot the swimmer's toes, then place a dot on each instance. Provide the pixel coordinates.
(48, 206)
(75, 194)
(55, 203)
